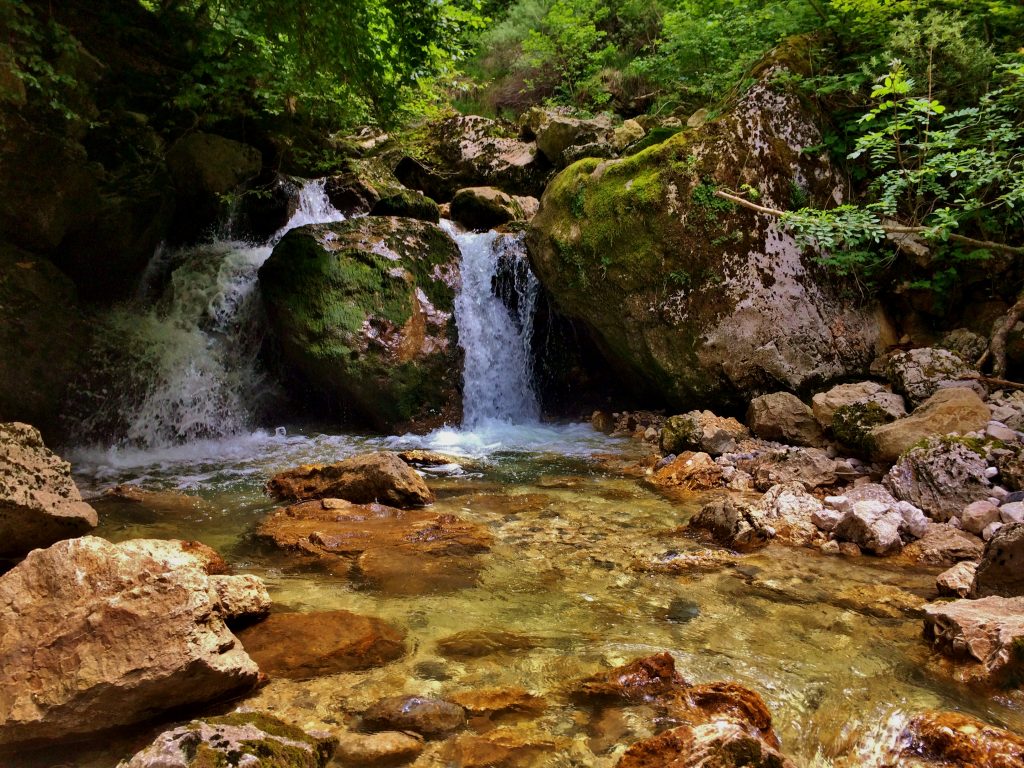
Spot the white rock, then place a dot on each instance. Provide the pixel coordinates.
(1012, 512)
(990, 530)
(915, 522)
(839, 503)
(826, 519)
(991, 472)
(978, 515)
(999, 493)
(998, 431)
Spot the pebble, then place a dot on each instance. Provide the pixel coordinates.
(1013, 498)
(1012, 512)
(991, 472)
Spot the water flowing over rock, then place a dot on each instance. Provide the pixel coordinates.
(955, 409)
(957, 739)
(712, 304)
(39, 501)
(241, 738)
(305, 645)
(981, 636)
(941, 478)
(362, 312)
(378, 749)
(368, 478)
(719, 744)
(152, 601)
(1001, 570)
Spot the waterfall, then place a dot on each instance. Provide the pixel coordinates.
(181, 363)
(494, 310)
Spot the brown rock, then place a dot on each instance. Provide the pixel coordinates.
(161, 504)
(882, 601)
(784, 417)
(493, 701)
(956, 739)
(39, 501)
(944, 545)
(424, 715)
(474, 643)
(957, 409)
(956, 581)
(689, 472)
(718, 744)
(304, 645)
(377, 750)
(702, 431)
(641, 680)
(825, 404)
(98, 635)
(500, 748)
(380, 477)
(733, 524)
(1001, 570)
(602, 421)
(982, 635)
(811, 467)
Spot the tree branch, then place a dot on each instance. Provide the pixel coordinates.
(890, 229)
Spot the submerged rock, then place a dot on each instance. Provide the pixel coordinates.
(305, 645)
(501, 748)
(39, 501)
(713, 304)
(66, 607)
(420, 714)
(363, 314)
(374, 750)
(369, 478)
(251, 739)
(982, 636)
(475, 643)
(1001, 570)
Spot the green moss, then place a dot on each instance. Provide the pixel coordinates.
(852, 425)
(207, 757)
(275, 754)
(269, 724)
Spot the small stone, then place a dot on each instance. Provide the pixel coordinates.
(1013, 497)
(998, 431)
(849, 549)
(991, 472)
(1012, 512)
(826, 519)
(990, 530)
(831, 547)
(378, 749)
(421, 714)
(978, 515)
(956, 581)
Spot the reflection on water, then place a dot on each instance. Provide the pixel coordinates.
(563, 578)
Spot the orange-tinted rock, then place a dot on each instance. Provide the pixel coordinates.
(956, 739)
(420, 714)
(641, 680)
(689, 472)
(399, 572)
(303, 645)
(700, 561)
(725, 701)
(500, 748)
(160, 504)
(380, 477)
(475, 643)
(376, 750)
(718, 744)
(498, 700)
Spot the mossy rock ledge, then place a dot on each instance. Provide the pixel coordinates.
(714, 304)
(362, 312)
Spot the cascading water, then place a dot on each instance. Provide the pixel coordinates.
(496, 334)
(186, 365)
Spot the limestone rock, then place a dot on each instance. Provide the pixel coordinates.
(783, 417)
(305, 645)
(941, 478)
(483, 208)
(978, 515)
(1008, 408)
(956, 581)
(789, 509)
(689, 472)
(954, 409)
(39, 501)
(811, 467)
(628, 133)
(363, 313)
(556, 132)
(731, 524)
(872, 526)
(713, 304)
(423, 715)
(701, 431)
(944, 545)
(1001, 570)
(360, 184)
(957, 739)
(920, 373)
(241, 738)
(718, 744)
(378, 749)
(368, 478)
(983, 635)
(69, 605)
(824, 404)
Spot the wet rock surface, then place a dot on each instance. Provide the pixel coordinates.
(957, 739)
(151, 600)
(372, 478)
(427, 716)
(39, 501)
(982, 636)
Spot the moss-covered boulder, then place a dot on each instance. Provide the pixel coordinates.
(483, 208)
(712, 303)
(362, 313)
(367, 185)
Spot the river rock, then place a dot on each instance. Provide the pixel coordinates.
(941, 478)
(640, 680)
(956, 581)
(241, 738)
(369, 478)
(151, 600)
(473, 151)
(701, 431)
(811, 467)
(1008, 408)
(483, 208)
(39, 501)
(982, 636)
(783, 417)
(720, 743)
(789, 509)
(420, 714)
(872, 526)
(920, 373)
(957, 739)
(824, 404)
(476, 643)
(500, 701)
(556, 132)
(944, 545)
(732, 524)
(304, 645)
(978, 515)
(362, 311)
(689, 471)
(954, 409)
(1001, 570)
(714, 304)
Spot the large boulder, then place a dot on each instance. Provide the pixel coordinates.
(1001, 570)
(941, 477)
(702, 431)
(713, 303)
(688, 471)
(381, 477)
(556, 132)
(42, 338)
(783, 417)
(920, 373)
(954, 409)
(483, 208)
(474, 151)
(791, 511)
(824, 404)
(982, 636)
(98, 635)
(363, 314)
(39, 501)
(811, 467)
(241, 738)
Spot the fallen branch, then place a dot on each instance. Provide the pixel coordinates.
(889, 229)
